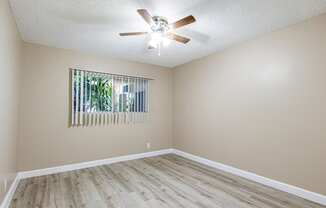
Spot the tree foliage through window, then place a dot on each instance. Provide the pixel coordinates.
(94, 92)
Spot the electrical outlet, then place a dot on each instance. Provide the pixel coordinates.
(3, 187)
(5, 184)
(148, 145)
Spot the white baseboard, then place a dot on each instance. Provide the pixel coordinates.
(77, 166)
(311, 196)
(6, 201)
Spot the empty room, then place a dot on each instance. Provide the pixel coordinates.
(163, 104)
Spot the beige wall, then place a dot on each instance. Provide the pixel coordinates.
(10, 44)
(45, 139)
(259, 106)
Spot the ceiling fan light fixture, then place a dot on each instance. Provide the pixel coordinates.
(157, 36)
(166, 41)
(152, 44)
(156, 39)
(161, 31)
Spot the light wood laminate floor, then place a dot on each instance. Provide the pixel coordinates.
(166, 181)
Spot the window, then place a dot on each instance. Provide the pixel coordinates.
(99, 98)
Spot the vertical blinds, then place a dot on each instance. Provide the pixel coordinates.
(103, 99)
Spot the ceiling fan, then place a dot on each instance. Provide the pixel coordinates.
(161, 30)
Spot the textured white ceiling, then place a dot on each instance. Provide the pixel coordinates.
(93, 25)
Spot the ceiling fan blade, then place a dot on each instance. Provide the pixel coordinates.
(182, 22)
(145, 15)
(132, 33)
(178, 38)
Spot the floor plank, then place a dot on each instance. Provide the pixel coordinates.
(167, 181)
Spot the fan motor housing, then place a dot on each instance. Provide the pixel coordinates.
(160, 24)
